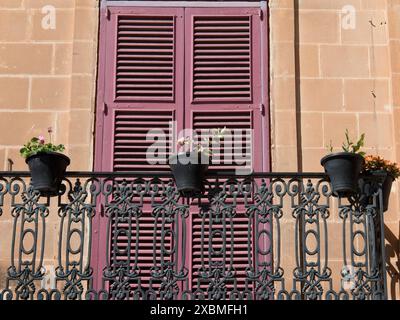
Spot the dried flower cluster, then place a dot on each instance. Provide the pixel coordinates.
(374, 163)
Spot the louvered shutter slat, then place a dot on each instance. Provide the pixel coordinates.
(148, 253)
(141, 40)
(131, 129)
(215, 36)
(238, 120)
(201, 240)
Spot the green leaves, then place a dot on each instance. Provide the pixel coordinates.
(330, 147)
(350, 146)
(36, 146)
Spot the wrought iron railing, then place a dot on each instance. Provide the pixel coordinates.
(132, 236)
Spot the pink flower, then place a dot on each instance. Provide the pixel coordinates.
(41, 139)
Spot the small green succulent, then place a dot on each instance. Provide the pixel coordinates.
(350, 146)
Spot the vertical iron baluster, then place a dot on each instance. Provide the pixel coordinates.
(74, 272)
(27, 264)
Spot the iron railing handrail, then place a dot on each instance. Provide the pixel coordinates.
(163, 174)
(104, 174)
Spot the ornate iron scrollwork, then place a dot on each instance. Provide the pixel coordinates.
(263, 237)
(29, 229)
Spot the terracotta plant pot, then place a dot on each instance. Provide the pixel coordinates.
(47, 171)
(343, 169)
(188, 170)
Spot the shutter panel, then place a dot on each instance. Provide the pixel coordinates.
(221, 58)
(149, 53)
(223, 51)
(137, 243)
(143, 233)
(132, 140)
(145, 58)
(225, 91)
(235, 121)
(143, 82)
(210, 251)
(143, 78)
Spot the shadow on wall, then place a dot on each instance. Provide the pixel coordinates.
(392, 262)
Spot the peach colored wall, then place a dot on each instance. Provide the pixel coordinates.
(345, 78)
(393, 224)
(47, 77)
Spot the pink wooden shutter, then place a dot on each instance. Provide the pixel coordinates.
(223, 89)
(145, 58)
(145, 62)
(142, 71)
(131, 139)
(142, 85)
(223, 72)
(221, 47)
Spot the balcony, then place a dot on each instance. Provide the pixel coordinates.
(132, 236)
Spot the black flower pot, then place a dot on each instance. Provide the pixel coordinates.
(47, 171)
(188, 170)
(343, 169)
(386, 188)
(386, 179)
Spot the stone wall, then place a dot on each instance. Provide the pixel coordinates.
(47, 76)
(393, 222)
(336, 78)
(47, 79)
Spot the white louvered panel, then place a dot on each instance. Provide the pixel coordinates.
(240, 236)
(132, 139)
(145, 58)
(222, 58)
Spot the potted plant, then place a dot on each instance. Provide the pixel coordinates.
(190, 164)
(377, 165)
(343, 168)
(46, 164)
